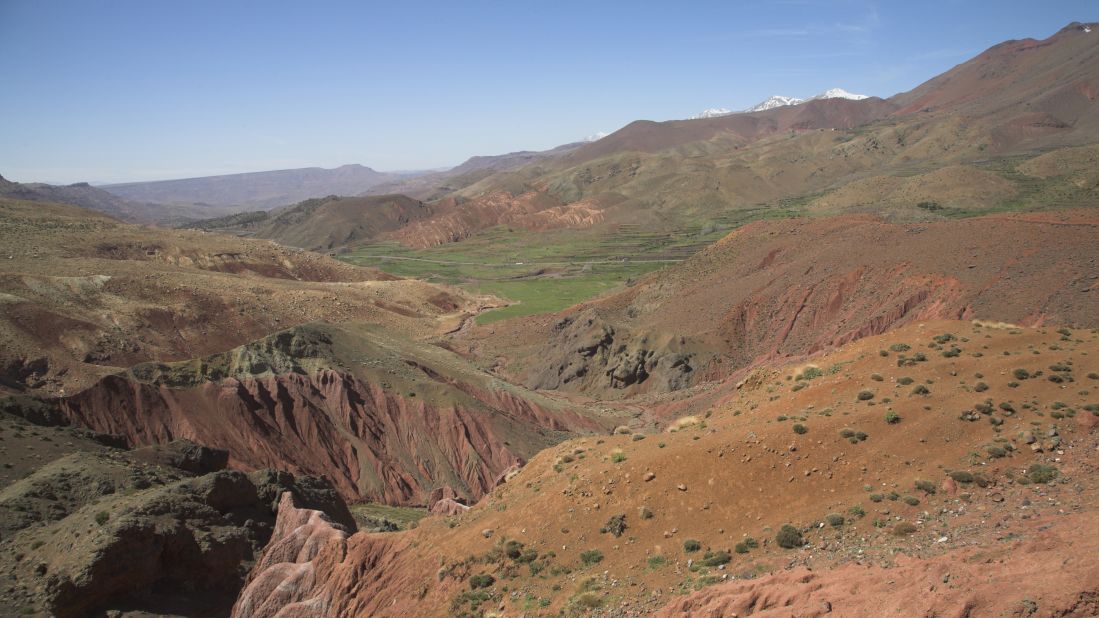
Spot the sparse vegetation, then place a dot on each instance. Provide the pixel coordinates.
(789, 537)
(1041, 473)
(482, 580)
(616, 525)
(865, 395)
(892, 418)
(591, 556)
(691, 546)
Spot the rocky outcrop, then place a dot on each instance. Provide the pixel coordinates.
(586, 353)
(448, 507)
(281, 581)
(312, 569)
(96, 531)
(422, 420)
(184, 455)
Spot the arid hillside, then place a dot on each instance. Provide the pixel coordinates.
(954, 459)
(84, 295)
(324, 224)
(951, 145)
(790, 288)
(384, 418)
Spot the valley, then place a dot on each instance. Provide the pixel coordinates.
(833, 356)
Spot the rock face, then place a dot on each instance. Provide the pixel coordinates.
(422, 420)
(185, 455)
(95, 531)
(281, 581)
(312, 568)
(587, 351)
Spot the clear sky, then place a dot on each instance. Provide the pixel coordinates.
(119, 90)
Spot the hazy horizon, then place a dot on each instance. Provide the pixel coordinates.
(128, 91)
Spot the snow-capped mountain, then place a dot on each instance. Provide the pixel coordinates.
(713, 112)
(838, 93)
(781, 101)
(595, 137)
(774, 101)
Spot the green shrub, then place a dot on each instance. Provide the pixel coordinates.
(800, 429)
(741, 548)
(904, 529)
(911, 500)
(1021, 374)
(483, 580)
(877, 377)
(996, 452)
(657, 561)
(926, 487)
(834, 519)
(980, 387)
(921, 390)
(716, 558)
(962, 476)
(618, 457)
(905, 380)
(876, 497)
(900, 347)
(1093, 376)
(865, 395)
(857, 511)
(1041, 473)
(892, 417)
(591, 556)
(691, 546)
(616, 525)
(789, 537)
(645, 513)
(809, 373)
(847, 433)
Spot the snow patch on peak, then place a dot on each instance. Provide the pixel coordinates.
(774, 101)
(838, 93)
(781, 101)
(595, 137)
(713, 112)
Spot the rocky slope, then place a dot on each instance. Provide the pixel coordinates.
(793, 287)
(922, 465)
(84, 295)
(92, 529)
(387, 419)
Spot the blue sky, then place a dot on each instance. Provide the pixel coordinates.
(114, 90)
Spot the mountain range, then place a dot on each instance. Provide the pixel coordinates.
(836, 357)
(780, 101)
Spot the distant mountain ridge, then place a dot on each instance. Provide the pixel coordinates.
(779, 100)
(257, 190)
(86, 196)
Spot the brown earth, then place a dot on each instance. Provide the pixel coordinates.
(386, 419)
(961, 477)
(84, 295)
(793, 287)
(333, 223)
